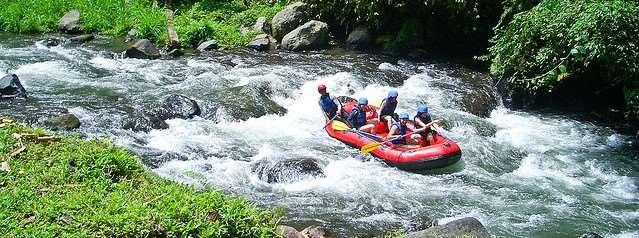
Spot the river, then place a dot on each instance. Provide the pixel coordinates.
(522, 174)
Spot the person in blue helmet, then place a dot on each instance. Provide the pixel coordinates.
(387, 108)
(357, 118)
(424, 120)
(401, 128)
(329, 105)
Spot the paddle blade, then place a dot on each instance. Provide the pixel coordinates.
(340, 126)
(367, 148)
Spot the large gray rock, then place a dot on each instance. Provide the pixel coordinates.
(65, 121)
(465, 227)
(262, 25)
(287, 170)
(143, 49)
(290, 18)
(10, 87)
(289, 232)
(207, 46)
(360, 38)
(243, 102)
(317, 232)
(82, 38)
(174, 106)
(70, 22)
(263, 42)
(313, 35)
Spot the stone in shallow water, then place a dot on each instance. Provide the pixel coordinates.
(207, 46)
(65, 121)
(174, 106)
(287, 170)
(82, 38)
(143, 49)
(465, 227)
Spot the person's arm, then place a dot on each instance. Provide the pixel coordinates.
(391, 133)
(438, 121)
(339, 105)
(323, 112)
(419, 122)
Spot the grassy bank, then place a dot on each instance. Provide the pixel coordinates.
(79, 188)
(195, 21)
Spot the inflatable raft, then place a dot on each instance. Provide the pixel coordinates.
(443, 152)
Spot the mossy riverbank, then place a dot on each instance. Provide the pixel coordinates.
(78, 188)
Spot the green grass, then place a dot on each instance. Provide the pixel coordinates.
(220, 20)
(195, 21)
(80, 188)
(110, 17)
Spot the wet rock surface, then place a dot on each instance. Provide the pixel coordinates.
(287, 170)
(82, 38)
(244, 102)
(207, 46)
(143, 49)
(65, 121)
(174, 106)
(465, 227)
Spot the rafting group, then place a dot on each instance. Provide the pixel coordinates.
(410, 144)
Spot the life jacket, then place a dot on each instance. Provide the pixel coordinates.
(388, 108)
(327, 104)
(427, 119)
(357, 117)
(401, 131)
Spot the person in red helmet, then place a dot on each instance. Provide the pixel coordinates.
(330, 106)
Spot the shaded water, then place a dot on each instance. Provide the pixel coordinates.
(523, 174)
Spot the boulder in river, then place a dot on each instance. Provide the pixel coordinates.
(65, 121)
(465, 227)
(50, 42)
(82, 38)
(263, 42)
(70, 23)
(590, 235)
(360, 38)
(207, 46)
(174, 106)
(290, 18)
(244, 102)
(287, 170)
(262, 25)
(10, 87)
(317, 232)
(289, 232)
(143, 49)
(313, 35)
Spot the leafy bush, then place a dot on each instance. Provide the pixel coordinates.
(561, 39)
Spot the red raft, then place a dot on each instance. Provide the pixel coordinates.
(442, 153)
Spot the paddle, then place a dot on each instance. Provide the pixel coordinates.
(374, 145)
(340, 126)
(329, 121)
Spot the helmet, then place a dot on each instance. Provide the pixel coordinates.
(321, 88)
(403, 115)
(422, 109)
(392, 94)
(363, 101)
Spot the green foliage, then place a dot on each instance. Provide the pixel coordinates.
(566, 38)
(220, 20)
(112, 17)
(78, 188)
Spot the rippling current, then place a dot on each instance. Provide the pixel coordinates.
(522, 174)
